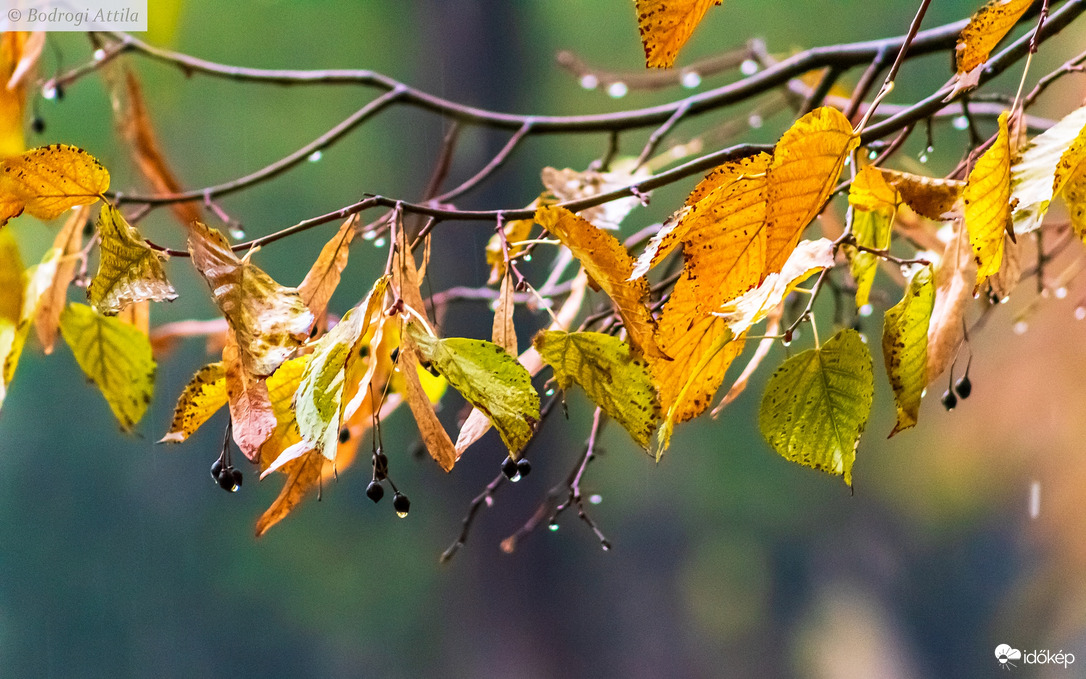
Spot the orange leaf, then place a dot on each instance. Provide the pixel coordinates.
(250, 406)
(666, 25)
(927, 196)
(806, 164)
(68, 242)
(19, 52)
(323, 277)
(954, 282)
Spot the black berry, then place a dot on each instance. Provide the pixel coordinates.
(375, 491)
(216, 469)
(964, 387)
(949, 400)
(524, 467)
(37, 124)
(509, 468)
(344, 435)
(401, 504)
(226, 480)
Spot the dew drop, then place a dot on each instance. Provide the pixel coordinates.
(923, 393)
(691, 79)
(402, 515)
(755, 121)
(549, 392)
(748, 67)
(923, 157)
(236, 232)
(872, 154)
(960, 123)
(617, 90)
(595, 499)
(866, 310)
(590, 82)
(863, 338)
(527, 258)
(315, 156)
(489, 501)
(99, 54)
(1061, 292)
(369, 235)
(553, 526)
(49, 92)
(379, 243)
(1080, 313)
(1020, 327)
(605, 546)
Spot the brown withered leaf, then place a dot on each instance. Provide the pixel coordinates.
(323, 277)
(250, 406)
(607, 263)
(954, 282)
(129, 270)
(270, 321)
(929, 197)
(666, 25)
(806, 164)
(68, 243)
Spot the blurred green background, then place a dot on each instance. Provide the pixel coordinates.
(120, 558)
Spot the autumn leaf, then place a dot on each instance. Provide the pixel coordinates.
(874, 203)
(270, 321)
(609, 265)
(134, 124)
(1033, 176)
(929, 197)
(251, 417)
(19, 53)
(282, 386)
(516, 231)
(489, 378)
(984, 31)
(666, 25)
(1069, 182)
(129, 270)
(611, 374)
(806, 164)
(12, 291)
(67, 244)
(816, 404)
(48, 180)
(987, 197)
(323, 277)
(115, 356)
(905, 346)
(201, 398)
(955, 279)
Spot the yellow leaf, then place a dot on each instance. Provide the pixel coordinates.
(613, 377)
(68, 243)
(270, 321)
(870, 191)
(19, 52)
(874, 203)
(984, 31)
(51, 179)
(133, 122)
(666, 25)
(724, 237)
(1033, 176)
(610, 266)
(129, 270)
(806, 165)
(927, 196)
(323, 277)
(12, 278)
(282, 385)
(905, 346)
(1070, 182)
(115, 356)
(987, 197)
(954, 282)
(201, 398)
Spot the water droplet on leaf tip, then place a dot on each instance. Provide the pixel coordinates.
(590, 82)
(527, 258)
(315, 156)
(863, 338)
(379, 243)
(1061, 292)
(49, 93)
(866, 310)
(99, 54)
(960, 123)
(755, 121)
(748, 67)
(872, 154)
(489, 501)
(923, 158)
(553, 526)
(617, 90)
(1020, 327)
(691, 79)
(369, 235)
(402, 515)
(929, 149)
(236, 232)
(595, 499)
(550, 392)
(605, 546)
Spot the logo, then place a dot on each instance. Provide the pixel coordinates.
(1005, 654)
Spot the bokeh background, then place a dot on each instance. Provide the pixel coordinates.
(121, 558)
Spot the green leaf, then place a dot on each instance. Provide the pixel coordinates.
(129, 271)
(905, 346)
(817, 403)
(202, 397)
(872, 230)
(615, 379)
(115, 356)
(488, 378)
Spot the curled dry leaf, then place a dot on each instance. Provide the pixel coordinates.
(806, 165)
(608, 264)
(129, 270)
(666, 25)
(954, 282)
(323, 277)
(250, 406)
(270, 321)
(929, 197)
